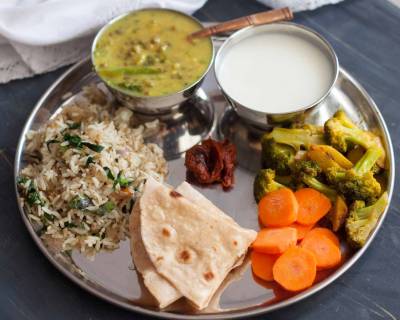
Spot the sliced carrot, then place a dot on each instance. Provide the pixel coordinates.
(302, 229)
(324, 244)
(313, 205)
(275, 240)
(278, 208)
(327, 233)
(295, 269)
(262, 264)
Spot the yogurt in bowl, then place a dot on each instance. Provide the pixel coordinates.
(279, 70)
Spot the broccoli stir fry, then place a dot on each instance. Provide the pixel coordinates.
(264, 183)
(340, 160)
(362, 220)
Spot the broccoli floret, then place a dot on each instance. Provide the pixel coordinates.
(362, 220)
(314, 129)
(358, 183)
(307, 172)
(355, 154)
(296, 138)
(321, 187)
(301, 168)
(344, 135)
(264, 183)
(276, 156)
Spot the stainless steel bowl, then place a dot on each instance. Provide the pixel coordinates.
(154, 105)
(264, 119)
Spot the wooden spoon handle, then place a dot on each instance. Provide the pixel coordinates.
(254, 19)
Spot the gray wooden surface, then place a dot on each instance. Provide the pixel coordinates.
(366, 37)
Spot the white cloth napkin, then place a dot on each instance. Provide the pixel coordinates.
(37, 36)
(298, 5)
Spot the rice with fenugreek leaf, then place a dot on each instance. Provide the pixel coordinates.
(88, 166)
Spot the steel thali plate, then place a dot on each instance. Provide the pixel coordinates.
(111, 275)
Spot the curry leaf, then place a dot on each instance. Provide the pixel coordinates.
(89, 160)
(92, 146)
(122, 181)
(106, 208)
(80, 202)
(109, 173)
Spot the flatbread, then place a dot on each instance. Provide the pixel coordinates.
(193, 247)
(164, 292)
(196, 197)
(199, 199)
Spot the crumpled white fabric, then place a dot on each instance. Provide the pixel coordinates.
(37, 36)
(298, 5)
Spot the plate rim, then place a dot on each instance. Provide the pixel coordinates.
(229, 314)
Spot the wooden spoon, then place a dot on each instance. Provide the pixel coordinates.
(239, 23)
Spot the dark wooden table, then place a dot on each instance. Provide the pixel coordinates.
(366, 37)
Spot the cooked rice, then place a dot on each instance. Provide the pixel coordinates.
(79, 204)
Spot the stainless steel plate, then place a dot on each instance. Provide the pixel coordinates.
(111, 276)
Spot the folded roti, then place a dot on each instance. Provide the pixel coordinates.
(191, 246)
(164, 292)
(196, 197)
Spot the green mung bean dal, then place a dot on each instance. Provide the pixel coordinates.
(146, 53)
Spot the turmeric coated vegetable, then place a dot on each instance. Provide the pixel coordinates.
(264, 183)
(358, 183)
(326, 156)
(296, 138)
(276, 156)
(344, 135)
(331, 167)
(338, 214)
(362, 220)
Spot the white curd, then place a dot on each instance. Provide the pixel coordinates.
(275, 72)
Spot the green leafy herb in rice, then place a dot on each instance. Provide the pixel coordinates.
(109, 173)
(106, 208)
(122, 181)
(119, 180)
(70, 225)
(49, 217)
(92, 146)
(89, 160)
(75, 141)
(22, 180)
(63, 191)
(32, 195)
(80, 202)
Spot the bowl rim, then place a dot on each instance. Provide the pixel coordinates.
(124, 15)
(309, 31)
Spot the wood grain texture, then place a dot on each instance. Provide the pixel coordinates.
(264, 17)
(366, 37)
